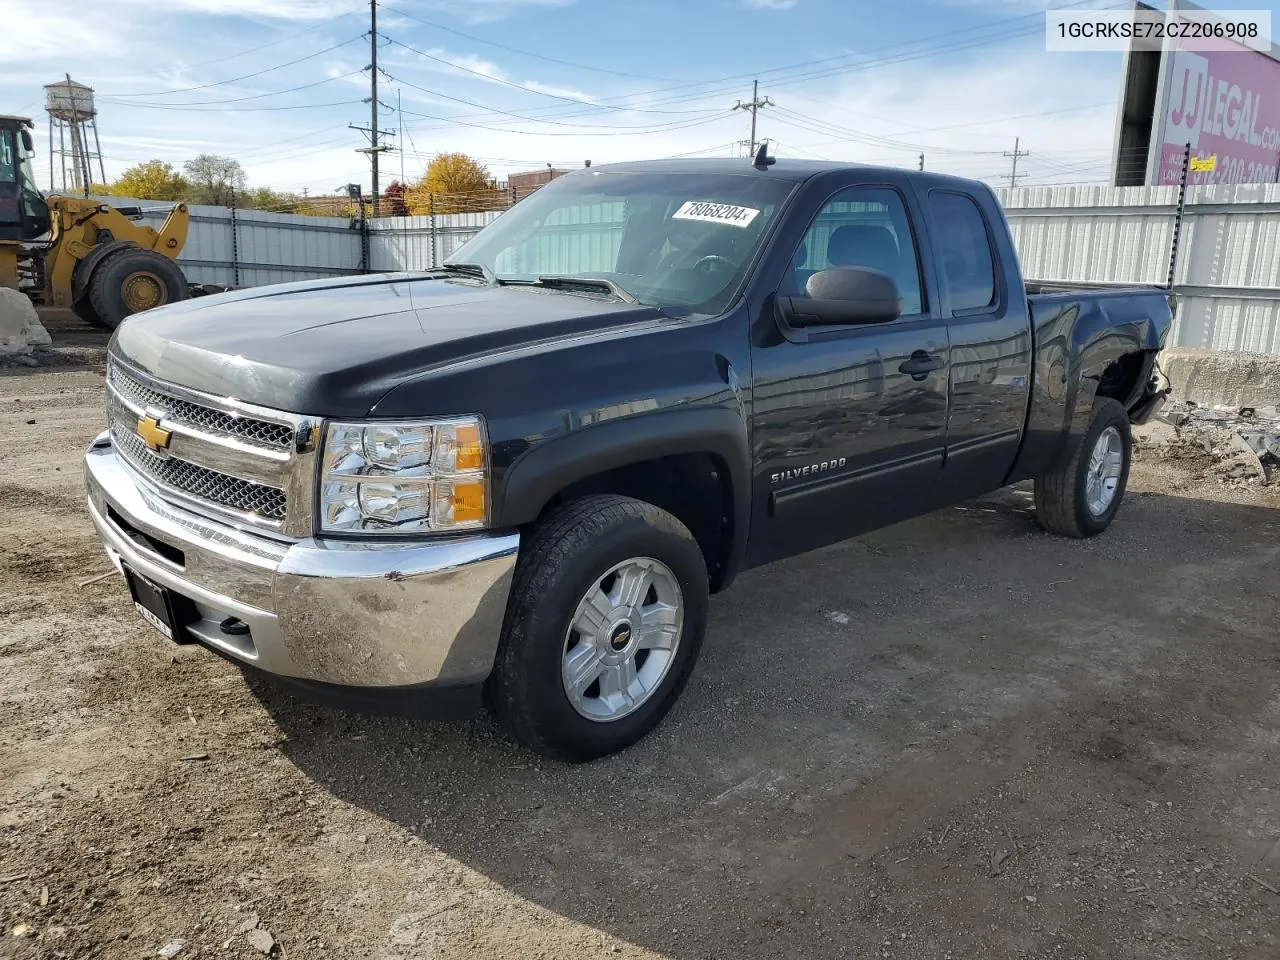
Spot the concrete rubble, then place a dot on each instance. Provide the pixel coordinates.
(1242, 442)
(20, 327)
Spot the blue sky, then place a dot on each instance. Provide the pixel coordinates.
(608, 80)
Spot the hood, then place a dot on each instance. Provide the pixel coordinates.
(333, 348)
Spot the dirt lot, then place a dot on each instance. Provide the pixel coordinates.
(957, 738)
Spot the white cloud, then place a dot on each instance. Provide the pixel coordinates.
(572, 93)
(271, 9)
(769, 4)
(484, 11)
(440, 60)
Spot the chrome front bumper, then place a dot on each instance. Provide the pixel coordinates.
(363, 615)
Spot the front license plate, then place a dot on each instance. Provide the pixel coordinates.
(153, 602)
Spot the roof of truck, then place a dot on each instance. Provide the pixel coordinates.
(795, 171)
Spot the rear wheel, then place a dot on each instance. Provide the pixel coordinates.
(606, 618)
(1081, 495)
(132, 280)
(83, 309)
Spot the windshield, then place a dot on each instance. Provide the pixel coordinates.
(682, 242)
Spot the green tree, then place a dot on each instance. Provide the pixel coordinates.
(153, 180)
(264, 198)
(214, 180)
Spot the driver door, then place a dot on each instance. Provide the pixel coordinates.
(850, 421)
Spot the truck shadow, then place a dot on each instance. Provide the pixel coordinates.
(848, 703)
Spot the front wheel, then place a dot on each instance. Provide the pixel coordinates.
(607, 615)
(1080, 496)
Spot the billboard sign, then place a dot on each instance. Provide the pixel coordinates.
(1226, 104)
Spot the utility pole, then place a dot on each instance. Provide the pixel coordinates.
(373, 132)
(1013, 174)
(754, 106)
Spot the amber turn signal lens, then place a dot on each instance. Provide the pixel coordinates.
(459, 503)
(468, 502)
(470, 452)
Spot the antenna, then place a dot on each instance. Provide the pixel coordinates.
(763, 161)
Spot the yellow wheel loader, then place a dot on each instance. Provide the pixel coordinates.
(95, 259)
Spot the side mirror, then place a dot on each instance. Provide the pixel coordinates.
(844, 295)
(28, 145)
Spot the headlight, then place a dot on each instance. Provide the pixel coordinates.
(416, 477)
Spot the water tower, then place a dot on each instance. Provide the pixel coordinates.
(72, 120)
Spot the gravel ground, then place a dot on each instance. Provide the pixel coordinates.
(956, 738)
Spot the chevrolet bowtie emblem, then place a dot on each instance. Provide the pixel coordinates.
(153, 435)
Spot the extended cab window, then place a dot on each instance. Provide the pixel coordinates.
(960, 233)
(861, 227)
(681, 241)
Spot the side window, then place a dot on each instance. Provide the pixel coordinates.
(960, 235)
(861, 227)
(8, 165)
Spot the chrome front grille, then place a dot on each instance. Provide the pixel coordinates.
(225, 423)
(247, 464)
(243, 496)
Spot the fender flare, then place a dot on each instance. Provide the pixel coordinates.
(83, 271)
(542, 471)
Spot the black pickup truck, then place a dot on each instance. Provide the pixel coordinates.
(516, 479)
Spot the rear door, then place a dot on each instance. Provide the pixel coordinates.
(981, 296)
(849, 421)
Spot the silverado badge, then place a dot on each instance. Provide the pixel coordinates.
(153, 435)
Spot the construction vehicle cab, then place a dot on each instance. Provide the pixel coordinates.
(24, 215)
(96, 260)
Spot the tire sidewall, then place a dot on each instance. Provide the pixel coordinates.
(105, 289)
(545, 626)
(1106, 414)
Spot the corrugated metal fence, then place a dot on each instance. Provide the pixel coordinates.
(1228, 278)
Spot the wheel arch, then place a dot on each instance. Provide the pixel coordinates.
(692, 463)
(82, 274)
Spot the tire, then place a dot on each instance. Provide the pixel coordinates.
(83, 309)
(568, 557)
(1066, 502)
(132, 280)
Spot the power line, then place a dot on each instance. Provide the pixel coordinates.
(256, 96)
(279, 40)
(604, 131)
(1032, 19)
(817, 125)
(300, 106)
(509, 113)
(605, 103)
(247, 76)
(529, 53)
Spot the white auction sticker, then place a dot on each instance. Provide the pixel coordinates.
(716, 213)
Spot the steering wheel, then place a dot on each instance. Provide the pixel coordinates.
(712, 264)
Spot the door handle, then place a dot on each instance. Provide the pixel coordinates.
(921, 365)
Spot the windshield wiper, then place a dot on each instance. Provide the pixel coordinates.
(559, 282)
(477, 271)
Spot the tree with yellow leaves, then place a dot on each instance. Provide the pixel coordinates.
(453, 183)
(153, 180)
